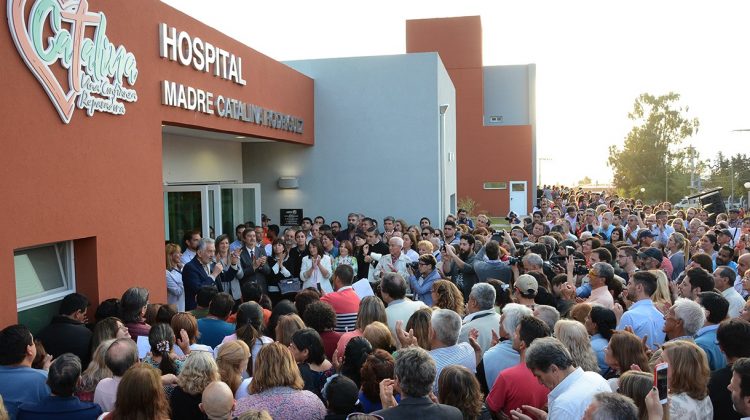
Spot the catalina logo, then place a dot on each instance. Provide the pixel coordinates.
(97, 70)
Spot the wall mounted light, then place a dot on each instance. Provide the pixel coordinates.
(288, 183)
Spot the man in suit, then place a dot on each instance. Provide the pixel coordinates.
(415, 372)
(253, 261)
(203, 271)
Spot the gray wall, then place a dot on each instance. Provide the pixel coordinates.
(508, 92)
(377, 132)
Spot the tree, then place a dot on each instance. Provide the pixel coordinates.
(585, 181)
(650, 157)
(726, 171)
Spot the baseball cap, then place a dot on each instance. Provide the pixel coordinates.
(725, 232)
(645, 233)
(651, 253)
(527, 284)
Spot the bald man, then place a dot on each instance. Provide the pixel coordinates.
(217, 401)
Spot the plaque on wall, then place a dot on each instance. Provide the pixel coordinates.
(290, 217)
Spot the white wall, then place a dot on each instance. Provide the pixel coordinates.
(376, 141)
(192, 159)
(446, 94)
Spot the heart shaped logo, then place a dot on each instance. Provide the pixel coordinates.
(100, 86)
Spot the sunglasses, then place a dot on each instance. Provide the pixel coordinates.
(425, 233)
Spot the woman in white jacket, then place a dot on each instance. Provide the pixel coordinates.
(316, 268)
(175, 288)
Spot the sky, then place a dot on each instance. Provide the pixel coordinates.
(592, 59)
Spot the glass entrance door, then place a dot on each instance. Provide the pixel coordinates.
(211, 209)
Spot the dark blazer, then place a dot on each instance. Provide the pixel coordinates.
(420, 408)
(63, 408)
(194, 277)
(65, 335)
(250, 273)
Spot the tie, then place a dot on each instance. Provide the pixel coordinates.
(205, 267)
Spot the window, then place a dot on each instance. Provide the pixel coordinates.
(495, 185)
(44, 274)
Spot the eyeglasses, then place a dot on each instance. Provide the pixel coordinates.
(425, 234)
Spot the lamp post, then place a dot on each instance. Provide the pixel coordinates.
(747, 187)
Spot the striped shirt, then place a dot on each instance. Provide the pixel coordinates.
(345, 303)
(461, 354)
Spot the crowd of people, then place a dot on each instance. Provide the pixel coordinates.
(567, 314)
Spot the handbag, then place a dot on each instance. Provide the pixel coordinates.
(290, 285)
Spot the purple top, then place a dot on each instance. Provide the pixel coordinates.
(284, 403)
(137, 329)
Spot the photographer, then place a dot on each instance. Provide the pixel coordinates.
(459, 266)
(422, 286)
(576, 271)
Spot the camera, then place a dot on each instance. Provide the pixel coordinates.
(414, 265)
(580, 268)
(514, 261)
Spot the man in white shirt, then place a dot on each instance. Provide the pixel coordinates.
(399, 307)
(395, 262)
(237, 244)
(482, 316)
(572, 389)
(599, 276)
(191, 240)
(724, 282)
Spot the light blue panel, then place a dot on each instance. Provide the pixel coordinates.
(376, 141)
(507, 94)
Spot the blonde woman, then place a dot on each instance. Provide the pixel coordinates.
(371, 309)
(687, 381)
(380, 337)
(662, 297)
(678, 252)
(232, 361)
(574, 336)
(424, 247)
(175, 288)
(198, 371)
(278, 388)
(95, 372)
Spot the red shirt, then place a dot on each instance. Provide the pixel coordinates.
(514, 387)
(330, 340)
(345, 303)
